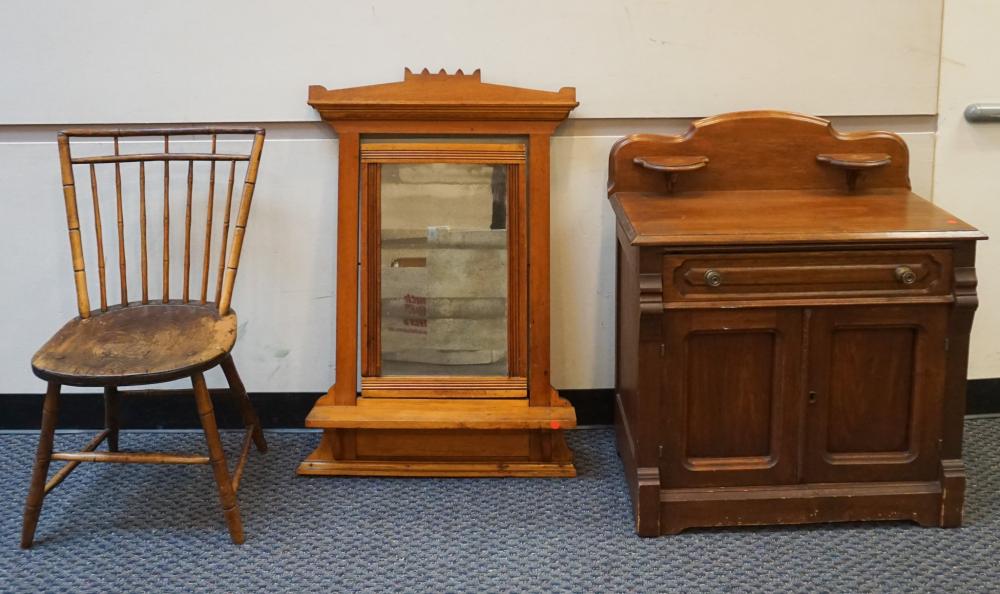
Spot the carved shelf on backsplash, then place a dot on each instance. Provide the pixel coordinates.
(672, 165)
(852, 164)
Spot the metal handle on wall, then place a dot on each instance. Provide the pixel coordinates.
(982, 112)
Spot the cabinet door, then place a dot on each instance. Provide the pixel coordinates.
(729, 408)
(874, 393)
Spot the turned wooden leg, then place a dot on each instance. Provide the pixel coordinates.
(246, 407)
(36, 492)
(217, 458)
(111, 416)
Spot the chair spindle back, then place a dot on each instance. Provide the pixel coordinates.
(229, 245)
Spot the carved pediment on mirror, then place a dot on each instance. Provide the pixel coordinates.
(441, 96)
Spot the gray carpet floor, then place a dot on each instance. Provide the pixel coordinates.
(113, 528)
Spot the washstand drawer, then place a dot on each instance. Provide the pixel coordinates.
(691, 278)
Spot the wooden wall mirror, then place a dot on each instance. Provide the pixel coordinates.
(442, 282)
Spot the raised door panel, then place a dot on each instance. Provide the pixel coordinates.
(875, 390)
(729, 410)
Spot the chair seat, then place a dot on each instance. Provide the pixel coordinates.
(138, 344)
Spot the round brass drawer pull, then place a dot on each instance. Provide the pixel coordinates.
(905, 275)
(713, 278)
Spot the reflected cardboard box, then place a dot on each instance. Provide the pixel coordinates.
(445, 301)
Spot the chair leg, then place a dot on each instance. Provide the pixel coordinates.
(36, 492)
(217, 458)
(111, 416)
(246, 407)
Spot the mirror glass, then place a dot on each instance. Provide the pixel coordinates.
(443, 258)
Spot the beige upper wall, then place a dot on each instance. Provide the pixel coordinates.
(239, 60)
(89, 62)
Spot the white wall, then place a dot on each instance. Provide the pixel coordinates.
(637, 66)
(967, 177)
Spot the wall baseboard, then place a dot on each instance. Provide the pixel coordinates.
(982, 396)
(175, 409)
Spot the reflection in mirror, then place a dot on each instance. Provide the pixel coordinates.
(443, 269)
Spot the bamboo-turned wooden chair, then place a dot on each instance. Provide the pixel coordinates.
(151, 340)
